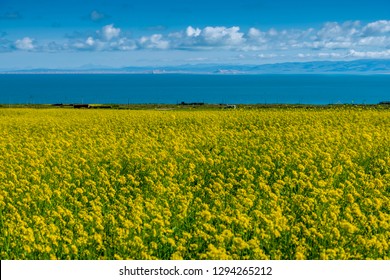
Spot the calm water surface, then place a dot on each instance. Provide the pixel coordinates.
(170, 89)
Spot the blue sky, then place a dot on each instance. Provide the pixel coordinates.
(71, 34)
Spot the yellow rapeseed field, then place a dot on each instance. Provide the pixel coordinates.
(229, 184)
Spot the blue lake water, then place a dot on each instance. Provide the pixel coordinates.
(176, 88)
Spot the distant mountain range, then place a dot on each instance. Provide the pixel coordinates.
(314, 67)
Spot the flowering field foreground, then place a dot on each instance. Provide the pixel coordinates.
(260, 184)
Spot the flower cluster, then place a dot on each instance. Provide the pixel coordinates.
(242, 184)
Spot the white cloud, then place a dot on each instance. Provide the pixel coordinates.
(107, 38)
(25, 44)
(156, 41)
(336, 30)
(322, 55)
(257, 36)
(90, 41)
(257, 40)
(273, 32)
(267, 55)
(197, 59)
(221, 35)
(88, 44)
(377, 27)
(333, 40)
(337, 45)
(123, 44)
(193, 32)
(332, 55)
(369, 54)
(376, 41)
(334, 36)
(109, 32)
(254, 33)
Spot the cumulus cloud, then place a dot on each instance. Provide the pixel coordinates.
(123, 44)
(109, 32)
(255, 33)
(257, 40)
(376, 41)
(88, 44)
(221, 35)
(108, 38)
(156, 41)
(25, 44)
(208, 37)
(333, 40)
(377, 27)
(90, 41)
(334, 31)
(193, 32)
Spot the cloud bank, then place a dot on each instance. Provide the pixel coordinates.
(25, 44)
(332, 40)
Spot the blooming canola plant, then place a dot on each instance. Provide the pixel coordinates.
(228, 184)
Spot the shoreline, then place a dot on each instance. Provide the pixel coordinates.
(192, 73)
(192, 106)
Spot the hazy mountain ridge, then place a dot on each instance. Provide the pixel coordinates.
(314, 67)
